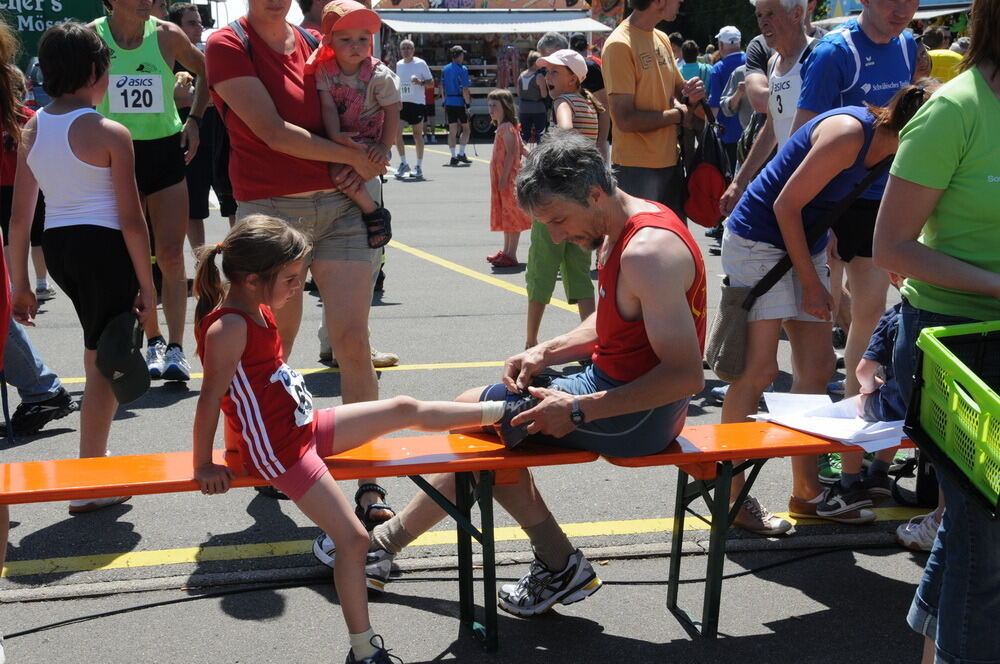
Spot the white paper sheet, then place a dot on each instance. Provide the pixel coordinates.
(818, 415)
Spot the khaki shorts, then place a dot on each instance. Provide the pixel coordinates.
(329, 218)
(746, 262)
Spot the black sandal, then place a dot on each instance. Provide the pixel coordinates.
(364, 513)
(378, 227)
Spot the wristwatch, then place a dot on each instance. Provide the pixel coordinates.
(576, 415)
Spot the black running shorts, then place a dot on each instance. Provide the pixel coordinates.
(159, 163)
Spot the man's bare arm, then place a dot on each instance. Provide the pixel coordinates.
(757, 90)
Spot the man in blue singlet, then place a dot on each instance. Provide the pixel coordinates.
(866, 60)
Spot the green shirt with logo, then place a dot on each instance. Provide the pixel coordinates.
(141, 86)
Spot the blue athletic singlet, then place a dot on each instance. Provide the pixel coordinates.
(754, 218)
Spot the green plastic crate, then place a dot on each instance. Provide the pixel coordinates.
(958, 401)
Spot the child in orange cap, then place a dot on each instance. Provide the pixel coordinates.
(359, 96)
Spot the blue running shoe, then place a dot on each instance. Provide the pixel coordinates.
(514, 405)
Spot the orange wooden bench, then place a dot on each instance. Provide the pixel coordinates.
(478, 461)
(706, 461)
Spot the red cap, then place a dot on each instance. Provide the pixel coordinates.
(347, 15)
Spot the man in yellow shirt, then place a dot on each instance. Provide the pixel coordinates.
(649, 99)
(944, 61)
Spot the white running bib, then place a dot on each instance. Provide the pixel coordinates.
(404, 89)
(135, 93)
(295, 385)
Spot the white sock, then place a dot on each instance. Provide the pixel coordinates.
(361, 644)
(402, 161)
(461, 149)
(492, 412)
(419, 162)
(41, 284)
(452, 151)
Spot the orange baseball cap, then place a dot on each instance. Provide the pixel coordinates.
(347, 15)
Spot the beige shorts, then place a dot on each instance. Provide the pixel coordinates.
(329, 218)
(746, 262)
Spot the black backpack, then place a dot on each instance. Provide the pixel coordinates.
(710, 174)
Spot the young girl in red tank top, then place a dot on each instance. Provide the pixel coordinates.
(280, 437)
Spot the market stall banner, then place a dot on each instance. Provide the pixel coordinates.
(30, 18)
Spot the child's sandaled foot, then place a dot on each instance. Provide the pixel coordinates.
(375, 513)
(377, 224)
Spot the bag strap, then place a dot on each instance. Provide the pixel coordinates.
(816, 232)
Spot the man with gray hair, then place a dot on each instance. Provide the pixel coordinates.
(646, 341)
(414, 75)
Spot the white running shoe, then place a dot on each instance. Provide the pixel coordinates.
(325, 550)
(541, 588)
(418, 173)
(378, 567)
(85, 506)
(402, 170)
(156, 359)
(176, 366)
(919, 533)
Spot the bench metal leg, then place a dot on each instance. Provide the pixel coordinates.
(716, 551)
(676, 543)
(467, 493)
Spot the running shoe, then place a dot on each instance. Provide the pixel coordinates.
(514, 405)
(840, 500)
(463, 159)
(829, 468)
(835, 387)
(45, 294)
(919, 532)
(325, 550)
(378, 568)
(176, 366)
(402, 170)
(85, 506)
(878, 486)
(418, 173)
(541, 588)
(29, 418)
(454, 161)
(756, 518)
(382, 654)
(380, 358)
(800, 507)
(156, 353)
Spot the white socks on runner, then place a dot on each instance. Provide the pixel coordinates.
(492, 412)
(461, 149)
(361, 645)
(452, 151)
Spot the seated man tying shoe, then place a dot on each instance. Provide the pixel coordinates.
(645, 340)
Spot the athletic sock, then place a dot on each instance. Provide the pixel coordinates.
(361, 645)
(177, 346)
(41, 284)
(390, 536)
(402, 161)
(492, 411)
(452, 151)
(461, 149)
(419, 162)
(155, 340)
(550, 544)
(847, 479)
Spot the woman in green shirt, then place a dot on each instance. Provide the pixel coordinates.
(938, 225)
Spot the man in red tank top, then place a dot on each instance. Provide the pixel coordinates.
(646, 341)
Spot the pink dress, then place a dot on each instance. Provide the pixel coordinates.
(505, 215)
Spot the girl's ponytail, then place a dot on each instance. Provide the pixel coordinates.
(592, 99)
(208, 287)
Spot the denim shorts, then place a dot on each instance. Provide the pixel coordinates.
(630, 435)
(746, 262)
(329, 218)
(958, 599)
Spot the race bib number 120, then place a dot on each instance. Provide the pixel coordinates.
(135, 93)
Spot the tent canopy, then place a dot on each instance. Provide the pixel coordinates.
(920, 15)
(485, 21)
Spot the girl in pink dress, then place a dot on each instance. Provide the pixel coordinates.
(505, 215)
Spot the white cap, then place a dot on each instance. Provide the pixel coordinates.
(729, 35)
(567, 58)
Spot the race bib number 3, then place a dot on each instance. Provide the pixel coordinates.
(135, 93)
(295, 385)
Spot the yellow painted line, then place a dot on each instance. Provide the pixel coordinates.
(136, 559)
(468, 272)
(448, 154)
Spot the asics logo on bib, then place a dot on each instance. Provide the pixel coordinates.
(134, 82)
(781, 85)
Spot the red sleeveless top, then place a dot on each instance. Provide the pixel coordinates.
(267, 403)
(622, 350)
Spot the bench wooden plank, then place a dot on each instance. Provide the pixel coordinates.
(167, 472)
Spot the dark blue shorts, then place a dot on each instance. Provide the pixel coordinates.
(631, 435)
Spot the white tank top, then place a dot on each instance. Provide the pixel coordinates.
(784, 97)
(76, 193)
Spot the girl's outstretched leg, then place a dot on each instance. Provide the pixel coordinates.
(357, 423)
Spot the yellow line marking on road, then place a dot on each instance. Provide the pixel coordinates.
(448, 154)
(222, 553)
(468, 272)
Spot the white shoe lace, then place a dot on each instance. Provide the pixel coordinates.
(176, 356)
(926, 530)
